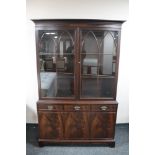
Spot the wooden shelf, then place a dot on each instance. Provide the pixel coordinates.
(96, 76)
(55, 54)
(96, 53)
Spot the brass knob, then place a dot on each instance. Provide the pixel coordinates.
(77, 107)
(104, 108)
(50, 107)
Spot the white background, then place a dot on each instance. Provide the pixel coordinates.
(81, 9)
(13, 76)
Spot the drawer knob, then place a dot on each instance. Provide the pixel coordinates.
(104, 108)
(77, 107)
(50, 107)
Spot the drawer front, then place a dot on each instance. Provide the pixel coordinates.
(104, 108)
(76, 107)
(50, 107)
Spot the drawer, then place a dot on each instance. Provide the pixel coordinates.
(104, 107)
(76, 107)
(50, 107)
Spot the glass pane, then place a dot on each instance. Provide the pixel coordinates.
(89, 53)
(93, 87)
(65, 85)
(90, 65)
(98, 62)
(106, 64)
(106, 87)
(89, 43)
(89, 88)
(107, 54)
(56, 50)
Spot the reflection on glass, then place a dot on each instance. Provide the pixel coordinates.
(89, 88)
(93, 87)
(48, 84)
(56, 50)
(106, 87)
(65, 85)
(89, 54)
(98, 53)
(106, 64)
(108, 53)
(89, 43)
(98, 62)
(90, 65)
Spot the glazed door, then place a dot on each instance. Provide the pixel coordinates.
(56, 54)
(50, 125)
(98, 59)
(77, 63)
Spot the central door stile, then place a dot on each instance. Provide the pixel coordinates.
(75, 66)
(78, 63)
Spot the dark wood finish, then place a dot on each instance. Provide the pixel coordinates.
(81, 102)
(79, 142)
(50, 107)
(117, 63)
(76, 125)
(77, 107)
(104, 108)
(102, 125)
(76, 120)
(50, 125)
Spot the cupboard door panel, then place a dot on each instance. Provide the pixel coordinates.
(50, 125)
(76, 125)
(56, 62)
(98, 56)
(102, 125)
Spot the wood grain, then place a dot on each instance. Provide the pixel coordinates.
(50, 125)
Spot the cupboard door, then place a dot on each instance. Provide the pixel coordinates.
(98, 56)
(50, 125)
(56, 54)
(102, 125)
(76, 125)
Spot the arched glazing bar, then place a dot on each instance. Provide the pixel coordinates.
(65, 32)
(112, 35)
(50, 39)
(94, 36)
(51, 36)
